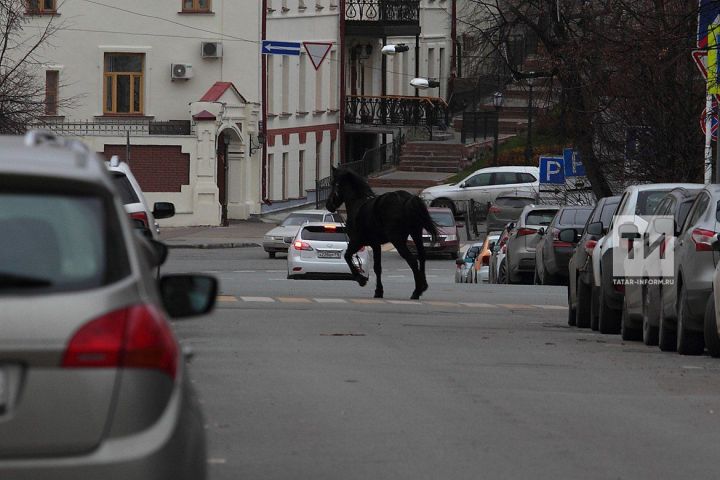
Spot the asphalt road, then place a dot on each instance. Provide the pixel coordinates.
(308, 380)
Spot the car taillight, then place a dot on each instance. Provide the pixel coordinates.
(133, 337)
(142, 216)
(300, 245)
(362, 249)
(485, 260)
(590, 246)
(703, 239)
(494, 209)
(526, 231)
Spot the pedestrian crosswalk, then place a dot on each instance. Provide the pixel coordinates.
(229, 299)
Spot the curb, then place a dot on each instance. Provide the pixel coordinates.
(214, 245)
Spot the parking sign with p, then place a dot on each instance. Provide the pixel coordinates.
(552, 170)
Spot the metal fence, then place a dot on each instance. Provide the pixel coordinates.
(390, 11)
(396, 110)
(119, 127)
(481, 124)
(375, 160)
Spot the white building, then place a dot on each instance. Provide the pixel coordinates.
(216, 127)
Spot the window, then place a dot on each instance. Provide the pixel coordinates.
(504, 178)
(285, 176)
(319, 89)
(271, 176)
(648, 201)
(40, 7)
(285, 84)
(480, 180)
(334, 80)
(123, 83)
(526, 178)
(699, 207)
(301, 174)
(302, 88)
(51, 91)
(196, 6)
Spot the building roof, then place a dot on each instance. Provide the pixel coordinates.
(218, 90)
(204, 115)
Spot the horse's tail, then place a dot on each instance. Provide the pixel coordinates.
(423, 217)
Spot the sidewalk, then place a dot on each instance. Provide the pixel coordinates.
(239, 234)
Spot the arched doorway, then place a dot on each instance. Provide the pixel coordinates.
(225, 139)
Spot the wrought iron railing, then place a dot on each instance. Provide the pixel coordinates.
(385, 11)
(118, 127)
(375, 160)
(396, 110)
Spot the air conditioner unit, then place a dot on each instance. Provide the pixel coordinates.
(181, 71)
(211, 50)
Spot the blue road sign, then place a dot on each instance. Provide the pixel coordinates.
(552, 170)
(274, 47)
(573, 165)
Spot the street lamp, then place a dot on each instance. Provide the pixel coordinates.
(530, 78)
(424, 83)
(394, 49)
(498, 103)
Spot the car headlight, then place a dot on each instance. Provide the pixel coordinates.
(451, 238)
(268, 237)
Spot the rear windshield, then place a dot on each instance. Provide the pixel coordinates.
(57, 243)
(324, 234)
(647, 201)
(300, 218)
(513, 201)
(540, 217)
(442, 219)
(574, 216)
(124, 187)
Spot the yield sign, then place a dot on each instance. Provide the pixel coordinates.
(317, 51)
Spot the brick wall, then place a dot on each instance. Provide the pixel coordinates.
(158, 168)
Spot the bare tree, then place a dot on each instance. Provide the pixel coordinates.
(22, 90)
(629, 94)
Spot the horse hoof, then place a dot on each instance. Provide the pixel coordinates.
(378, 294)
(415, 296)
(362, 281)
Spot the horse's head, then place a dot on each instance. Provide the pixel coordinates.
(335, 198)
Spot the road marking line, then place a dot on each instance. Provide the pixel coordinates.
(404, 302)
(366, 300)
(245, 271)
(216, 461)
(293, 300)
(274, 271)
(329, 300)
(387, 247)
(513, 306)
(396, 276)
(550, 307)
(226, 298)
(441, 304)
(479, 305)
(258, 299)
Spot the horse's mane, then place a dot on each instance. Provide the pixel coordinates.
(356, 182)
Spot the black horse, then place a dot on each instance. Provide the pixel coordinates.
(375, 220)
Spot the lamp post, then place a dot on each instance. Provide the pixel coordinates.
(528, 146)
(498, 103)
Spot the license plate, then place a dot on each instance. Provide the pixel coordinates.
(321, 254)
(3, 392)
(427, 244)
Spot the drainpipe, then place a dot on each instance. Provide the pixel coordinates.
(341, 132)
(453, 59)
(263, 83)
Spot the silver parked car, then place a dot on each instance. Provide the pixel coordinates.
(93, 382)
(507, 208)
(683, 301)
(278, 239)
(318, 251)
(522, 240)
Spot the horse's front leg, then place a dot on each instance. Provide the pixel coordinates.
(377, 267)
(351, 250)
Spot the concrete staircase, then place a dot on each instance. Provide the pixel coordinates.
(433, 157)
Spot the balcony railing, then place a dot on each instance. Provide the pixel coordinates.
(386, 11)
(396, 110)
(118, 127)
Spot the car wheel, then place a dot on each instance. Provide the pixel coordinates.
(571, 311)
(628, 333)
(594, 308)
(583, 308)
(667, 339)
(271, 254)
(688, 341)
(608, 318)
(502, 273)
(444, 203)
(650, 331)
(712, 341)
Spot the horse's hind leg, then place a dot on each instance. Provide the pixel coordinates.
(417, 238)
(405, 253)
(377, 267)
(351, 250)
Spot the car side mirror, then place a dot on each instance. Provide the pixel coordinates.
(541, 231)
(595, 228)
(462, 185)
(163, 210)
(569, 235)
(188, 295)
